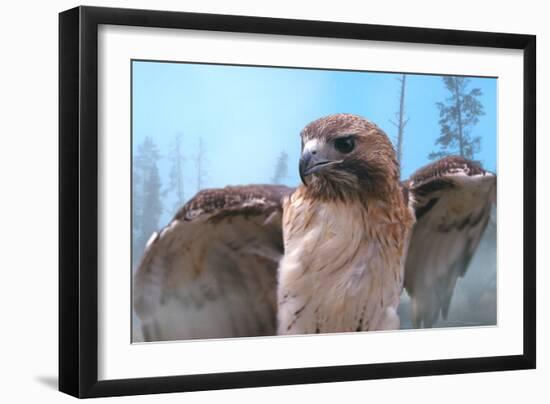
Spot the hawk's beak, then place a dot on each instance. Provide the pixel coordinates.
(312, 162)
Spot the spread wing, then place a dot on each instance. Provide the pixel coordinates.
(211, 273)
(452, 199)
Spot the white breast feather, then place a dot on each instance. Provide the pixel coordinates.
(339, 273)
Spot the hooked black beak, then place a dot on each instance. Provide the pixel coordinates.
(311, 163)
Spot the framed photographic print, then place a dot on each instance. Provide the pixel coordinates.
(250, 201)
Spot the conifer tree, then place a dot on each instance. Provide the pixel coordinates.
(146, 196)
(457, 116)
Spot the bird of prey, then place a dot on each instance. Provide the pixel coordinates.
(332, 255)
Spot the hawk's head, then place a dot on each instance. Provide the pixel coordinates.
(345, 155)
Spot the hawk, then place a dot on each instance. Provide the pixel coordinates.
(332, 255)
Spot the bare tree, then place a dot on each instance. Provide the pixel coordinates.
(401, 121)
(201, 163)
(177, 161)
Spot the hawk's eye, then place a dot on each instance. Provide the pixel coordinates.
(345, 144)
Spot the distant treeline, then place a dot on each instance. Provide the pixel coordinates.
(153, 196)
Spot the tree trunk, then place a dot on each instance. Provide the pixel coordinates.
(401, 122)
(179, 173)
(200, 168)
(459, 118)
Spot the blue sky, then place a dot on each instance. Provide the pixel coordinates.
(246, 116)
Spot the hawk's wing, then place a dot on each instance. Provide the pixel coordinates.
(211, 273)
(452, 200)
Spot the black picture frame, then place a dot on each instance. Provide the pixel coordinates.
(78, 200)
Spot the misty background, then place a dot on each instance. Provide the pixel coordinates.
(197, 126)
